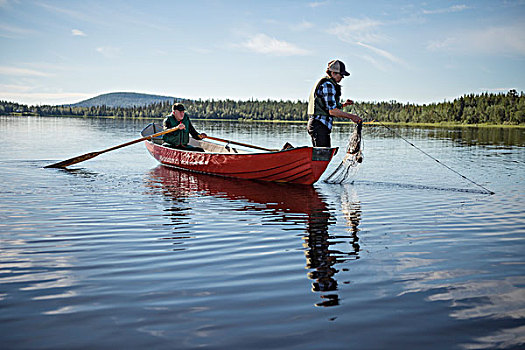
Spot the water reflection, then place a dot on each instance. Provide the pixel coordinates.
(472, 136)
(321, 255)
(281, 203)
(467, 136)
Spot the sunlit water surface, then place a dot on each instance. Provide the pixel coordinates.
(120, 252)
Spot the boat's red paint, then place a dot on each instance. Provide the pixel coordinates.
(296, 165)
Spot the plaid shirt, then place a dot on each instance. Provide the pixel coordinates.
(327, 92)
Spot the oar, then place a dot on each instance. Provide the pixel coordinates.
(87, 156)
(241, 144)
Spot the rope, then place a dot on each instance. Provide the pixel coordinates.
(428, 155)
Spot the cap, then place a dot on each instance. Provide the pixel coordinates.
(337, 66)
(178, 107)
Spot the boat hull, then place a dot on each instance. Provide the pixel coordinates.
(302, 165)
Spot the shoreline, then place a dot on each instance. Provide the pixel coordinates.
(373, 123)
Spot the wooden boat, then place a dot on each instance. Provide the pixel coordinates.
(301, 165)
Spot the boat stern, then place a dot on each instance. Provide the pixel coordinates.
(321, 157)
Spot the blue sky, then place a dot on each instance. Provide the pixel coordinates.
(56, 52)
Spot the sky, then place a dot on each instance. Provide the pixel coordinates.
(58, 52)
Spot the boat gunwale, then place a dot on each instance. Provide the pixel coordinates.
(248, 153)
(244, 152)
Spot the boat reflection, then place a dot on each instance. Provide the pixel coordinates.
(282, 202)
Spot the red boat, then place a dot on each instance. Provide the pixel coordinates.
(301, 165)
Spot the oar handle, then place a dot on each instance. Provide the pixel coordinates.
(241, 144)
(141, 139)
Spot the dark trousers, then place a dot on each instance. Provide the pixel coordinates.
(319, 132)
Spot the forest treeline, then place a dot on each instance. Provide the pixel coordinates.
(487, 108)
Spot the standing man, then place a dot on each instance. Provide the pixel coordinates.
(324, 104)
(181, 137)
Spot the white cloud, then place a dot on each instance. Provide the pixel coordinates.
(91, 13)
(42, 98)
(78, 15)
(315, 4)
(4, 70)
(109, 51)
(262, 43)
(455, 8)
(507, 40)
(13, 88)
(304, 25)
(443, 44)
(12, 32)
(77, 32)
(382, 53)
(354, 30)
(379, 65)
(363, 32)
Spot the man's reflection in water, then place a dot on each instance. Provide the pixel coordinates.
(280, 201)
(320, 255)
(177, 187)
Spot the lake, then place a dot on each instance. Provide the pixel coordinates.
(119, 252)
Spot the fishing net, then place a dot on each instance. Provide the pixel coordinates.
(353, 157)
(351, 160)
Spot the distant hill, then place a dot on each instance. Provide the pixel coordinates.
(123, 99)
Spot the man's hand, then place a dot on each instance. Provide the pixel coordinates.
(203, 136)
(356, 119)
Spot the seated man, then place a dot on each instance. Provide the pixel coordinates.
(181, 137)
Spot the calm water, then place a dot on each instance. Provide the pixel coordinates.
(119, 252)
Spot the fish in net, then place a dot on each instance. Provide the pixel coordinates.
(352, 159)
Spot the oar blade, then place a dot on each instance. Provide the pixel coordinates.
(74, 160)
(87, 156)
